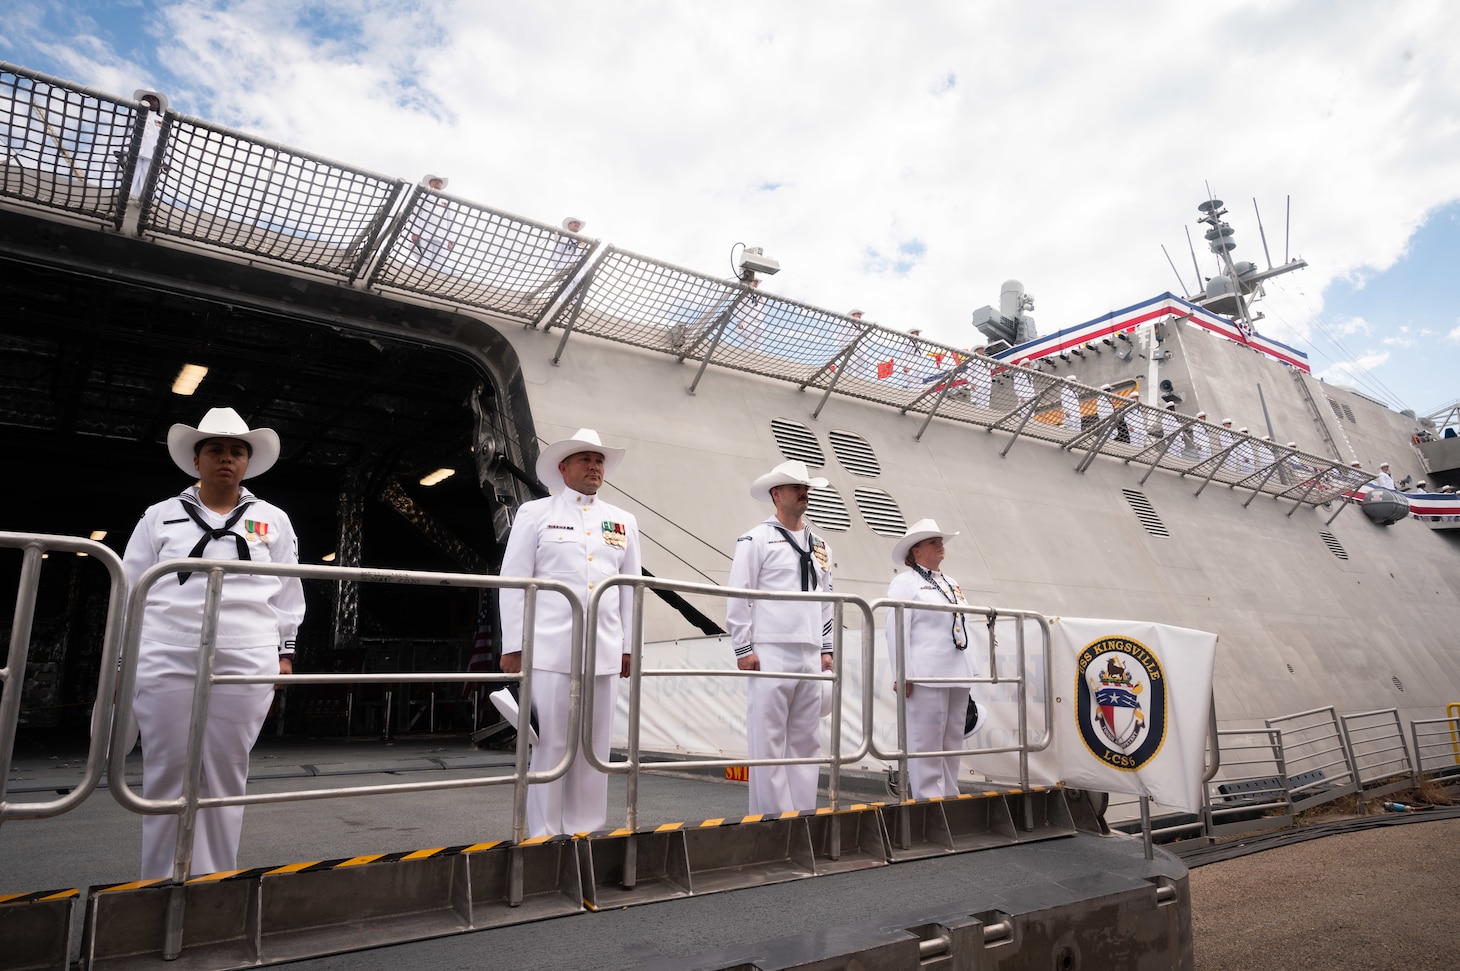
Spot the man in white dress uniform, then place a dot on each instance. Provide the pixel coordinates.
(576, 538)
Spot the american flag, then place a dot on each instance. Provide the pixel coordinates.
(482, 655)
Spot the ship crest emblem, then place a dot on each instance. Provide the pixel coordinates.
(1121, 702)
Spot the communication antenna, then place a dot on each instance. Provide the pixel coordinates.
(1287, 225)
(1263, 233)
(1194, 265)
(1184, 292)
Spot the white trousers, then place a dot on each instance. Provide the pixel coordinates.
(935, 715)
(163, 708)
(577, 802)
(782, 723)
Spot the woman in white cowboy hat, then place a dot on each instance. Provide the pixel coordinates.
(936, 646)
(258, 618)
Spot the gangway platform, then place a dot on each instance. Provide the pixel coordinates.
(964, 885)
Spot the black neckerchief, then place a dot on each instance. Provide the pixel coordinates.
(808, 570)
(960, 632)
(210, 534)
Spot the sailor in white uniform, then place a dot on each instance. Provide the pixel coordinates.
(431, 224)
(564, 256)
(579, 539)
(1135, 421)
(936, 646)
(1384, 480)
(1023, 383)
(981, 377)
(1200, 439)
(782, 553)
(156, 104)
(257, 622)
(1070, 404)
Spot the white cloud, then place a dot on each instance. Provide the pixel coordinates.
(1454, 336)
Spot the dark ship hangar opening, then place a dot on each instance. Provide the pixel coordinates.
(88, 360)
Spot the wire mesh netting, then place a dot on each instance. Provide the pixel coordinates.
(73, 149)
(466, 254)
(217, 186)
(65, 147)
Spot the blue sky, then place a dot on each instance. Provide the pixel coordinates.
(902, 159)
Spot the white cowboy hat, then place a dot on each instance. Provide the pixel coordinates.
(790, 472)
(574, 219)
(426, 181)
(263, 443)
(825, 698)
(505, 704)
(141, 93)
(787, 473)
(916, 533)
(1383, 465)
(583, 440)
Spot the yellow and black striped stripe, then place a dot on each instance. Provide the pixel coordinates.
(315, 866)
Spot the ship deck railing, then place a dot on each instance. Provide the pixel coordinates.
(71, 152)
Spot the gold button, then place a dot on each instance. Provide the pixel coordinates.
(590, 559)
(590, 586)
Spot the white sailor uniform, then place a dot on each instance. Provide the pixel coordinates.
(935, 712)
(782, 715)
(146, 151)
(258, 620)
(579, 540)
(430, 229)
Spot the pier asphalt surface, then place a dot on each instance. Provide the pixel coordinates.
(1374, 899)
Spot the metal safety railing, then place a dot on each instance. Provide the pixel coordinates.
(632, 765)
(66, 147)
(34, 547)
(1315, 750)
(213, 185)
(454, 250)
(1375, 740)
(898, 648)
(1436, 744)
(71, 149)
(1251, 790)
(187, 805)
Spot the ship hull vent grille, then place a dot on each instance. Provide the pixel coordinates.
(880, 513)
(1334, 546)
(855, 455)
(797, 442)
(827, 510)
(1145, 512)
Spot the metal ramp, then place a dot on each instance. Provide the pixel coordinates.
(35, 929)
(270, 915)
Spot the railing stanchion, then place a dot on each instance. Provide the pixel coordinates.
(636, 667)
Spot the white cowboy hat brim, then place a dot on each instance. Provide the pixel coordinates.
(919, 531)
(141, 93)
(787, 473)
(825, 698)
(223, 423)
(426, 181)
(507, 705)
(583, 440)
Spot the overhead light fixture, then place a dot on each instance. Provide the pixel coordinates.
(328, 558)
(189, 378)
(79, 553)
(98, 534)
(440, 475)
